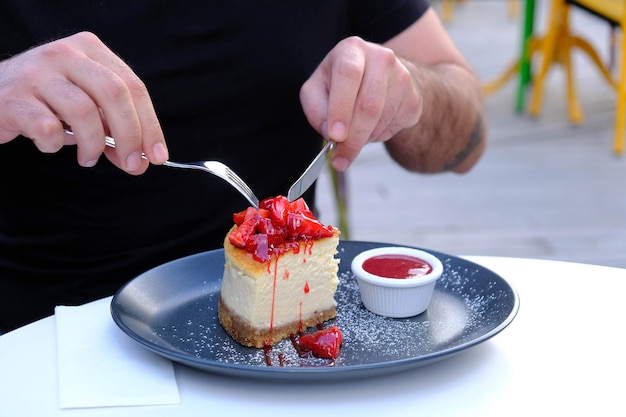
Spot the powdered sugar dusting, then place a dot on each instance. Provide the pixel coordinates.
(464, 307)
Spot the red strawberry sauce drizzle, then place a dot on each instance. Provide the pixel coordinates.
(273, 297)
(275, 228)
(325, 343)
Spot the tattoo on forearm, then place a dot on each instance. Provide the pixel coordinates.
(475, 138)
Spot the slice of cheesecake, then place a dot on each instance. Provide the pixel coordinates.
(280, 275)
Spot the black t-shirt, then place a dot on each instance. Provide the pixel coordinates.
(225, 80)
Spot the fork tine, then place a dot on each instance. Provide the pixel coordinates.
(236, 179)
(231, 177)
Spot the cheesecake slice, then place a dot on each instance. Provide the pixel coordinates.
(280, 273)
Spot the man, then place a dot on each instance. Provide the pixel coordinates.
(253, 84)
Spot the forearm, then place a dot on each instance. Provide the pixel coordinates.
(451, 132)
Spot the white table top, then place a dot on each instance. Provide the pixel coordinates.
(564, 354)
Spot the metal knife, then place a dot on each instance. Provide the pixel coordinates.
(311, 174)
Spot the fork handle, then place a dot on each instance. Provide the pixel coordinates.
(108, 140)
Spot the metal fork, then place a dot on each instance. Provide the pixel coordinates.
(213, 167)
(224, 172)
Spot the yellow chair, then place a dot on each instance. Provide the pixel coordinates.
(557, 46)
(447, 8)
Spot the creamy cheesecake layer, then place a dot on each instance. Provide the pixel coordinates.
(291, 292)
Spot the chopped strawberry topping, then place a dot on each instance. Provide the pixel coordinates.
(274, 225)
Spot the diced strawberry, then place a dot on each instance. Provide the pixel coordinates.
(301, 226)
(266, 203)
(278, 208)
(275, 235)
(258, 246)
(264, 213)
(300, 206)
(240, 236)
(241, 216)
(323, 343)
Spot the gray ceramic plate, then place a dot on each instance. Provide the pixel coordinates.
(172, 310)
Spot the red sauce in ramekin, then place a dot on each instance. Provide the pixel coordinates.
(397, 266)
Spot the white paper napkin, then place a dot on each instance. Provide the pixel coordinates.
(100, 366)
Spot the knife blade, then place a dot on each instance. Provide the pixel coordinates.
(310, 174)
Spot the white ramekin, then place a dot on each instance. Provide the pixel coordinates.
(394, 297)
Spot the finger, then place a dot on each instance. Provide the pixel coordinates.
(314, 101)
(111, 94)
(80, 113)
(124, 101)
(153, 141)
(371, 104)
(32, 119)
(347, 66)
(47, 136)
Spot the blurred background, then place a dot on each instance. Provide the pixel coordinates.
(545, 188)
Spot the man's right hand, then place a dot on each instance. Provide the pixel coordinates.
(79, 82)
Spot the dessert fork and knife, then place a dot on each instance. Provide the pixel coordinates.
(303, 183)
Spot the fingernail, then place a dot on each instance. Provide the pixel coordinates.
(337, 131)
(160, 153)
(340, 164)
(91, 163)
(133, 161)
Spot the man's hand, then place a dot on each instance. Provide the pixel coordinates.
(78, 82)
(360, 93)
(416, 92)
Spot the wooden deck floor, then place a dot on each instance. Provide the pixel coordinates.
(544, 189)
